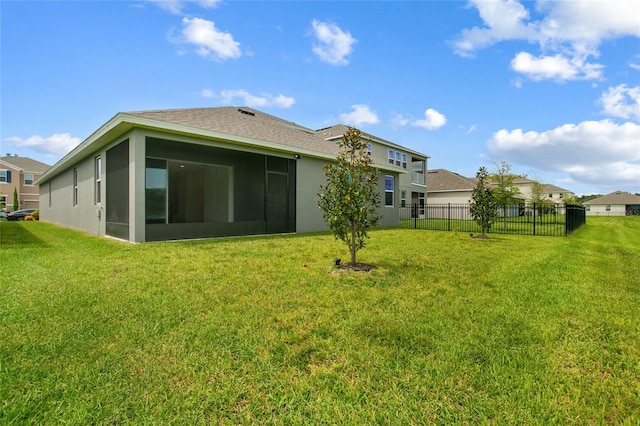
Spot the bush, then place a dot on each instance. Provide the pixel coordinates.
(36, 215)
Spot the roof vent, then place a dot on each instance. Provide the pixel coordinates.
(246, 112)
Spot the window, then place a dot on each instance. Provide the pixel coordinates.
(561, 195)
(388, 191)
(391, 156)
(550, 195)
(587, 207)
(98, 180)
(404, 161)
(608, 208)
(5, 176)
(28, 179)
(369, 149)
(403, 198)
(3, 201)
(397, 158)
(75, 187)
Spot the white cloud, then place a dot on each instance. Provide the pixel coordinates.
(557, 67)
(333, 45)
(208, 93)
(399, 120)
(56, 144)
(432, 120)
(361, 114)
(265, 100)
(569, 33)
(176, 6)
(622, 101)
(210, 42)
(593, 152)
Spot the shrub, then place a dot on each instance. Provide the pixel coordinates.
(36, 214)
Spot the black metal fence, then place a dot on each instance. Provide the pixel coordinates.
(534, 219)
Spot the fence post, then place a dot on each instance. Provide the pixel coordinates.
(449, 216)
(534, 218)
(415, 216)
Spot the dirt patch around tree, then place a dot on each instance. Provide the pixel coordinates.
(355, 266)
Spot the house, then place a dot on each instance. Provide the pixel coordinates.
(20, 174)
(618, 203)
(205, 172)
(449, 187)
(412, 184)
(556, 194)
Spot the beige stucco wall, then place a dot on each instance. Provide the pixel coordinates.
(28, 195)
(462, 197)
(601, 210)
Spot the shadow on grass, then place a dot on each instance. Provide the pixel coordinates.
(16, 235)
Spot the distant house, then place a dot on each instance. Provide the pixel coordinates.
(448, 187)
(208, 172)
(21, 174)
(617, 203)
(556, 194)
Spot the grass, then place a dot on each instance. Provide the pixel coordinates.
(446, 329)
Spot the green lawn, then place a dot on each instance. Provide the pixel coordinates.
(446, 329)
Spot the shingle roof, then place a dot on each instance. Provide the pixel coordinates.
(444, 180)
(552, 188)
(27, 164)
(244, 122)
(250, 123)
(618, 197)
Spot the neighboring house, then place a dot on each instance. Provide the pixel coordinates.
(448, 187)
(204, 172)
(556, 194)
(617, 203)
(20, 173)
(412, 184)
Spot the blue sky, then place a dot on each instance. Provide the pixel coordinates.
(552, 88)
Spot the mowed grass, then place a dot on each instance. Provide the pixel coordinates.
(446, 329)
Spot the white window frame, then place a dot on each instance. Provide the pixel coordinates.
(386, 191)
(26, 180)
(369, 149)
(404, 160)
(3, 176)
(403, 198)
(98, 180)
(391, 156)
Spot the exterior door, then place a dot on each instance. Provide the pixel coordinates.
(277, 203)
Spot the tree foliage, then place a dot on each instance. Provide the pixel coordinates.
(484, 206)
(505, 190)
(350, 198)
(539, 198)
(16, 203)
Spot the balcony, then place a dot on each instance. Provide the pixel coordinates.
(418, 178)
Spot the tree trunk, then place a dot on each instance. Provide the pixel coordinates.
(352, 246)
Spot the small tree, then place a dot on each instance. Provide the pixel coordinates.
(350, 198)
(539, 198)
(484, 207)
(505, 189)
(16, 204)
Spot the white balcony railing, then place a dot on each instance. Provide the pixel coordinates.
(418, 178)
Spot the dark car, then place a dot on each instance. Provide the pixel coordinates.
(20, 214)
